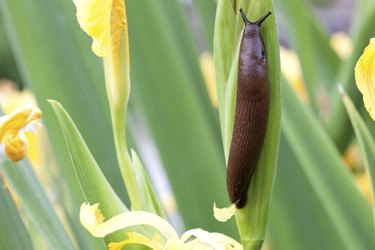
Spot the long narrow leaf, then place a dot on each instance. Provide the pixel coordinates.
(93, 183)
(207, 9)
(13, 232)
(295, 209)
(330, 179)
(366, 142)
(37, 206)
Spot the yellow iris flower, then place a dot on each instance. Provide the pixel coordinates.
(92, 219)
(206, 64)
(365, 77)
(13, 142)
(105, 21)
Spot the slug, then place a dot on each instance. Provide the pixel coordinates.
(251, 112)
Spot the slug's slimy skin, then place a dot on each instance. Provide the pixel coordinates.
(251, 115)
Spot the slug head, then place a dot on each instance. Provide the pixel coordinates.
(252, 70)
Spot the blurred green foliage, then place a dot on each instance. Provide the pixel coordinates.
(313, 204)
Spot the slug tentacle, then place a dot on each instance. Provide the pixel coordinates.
(251, 114)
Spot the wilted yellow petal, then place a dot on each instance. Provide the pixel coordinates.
(175, 244)
(12, 129)
(365, 77)
(16, 147)
(202, 237)
(224, 214)
(92, 219)
(206, 240)
(226, 241)
(136, 238)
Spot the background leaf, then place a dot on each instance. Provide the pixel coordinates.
(37, 207)
(94, 185)
(296, 207)
(365, 140)
(14, 234)
(337, 121)
(330, 179)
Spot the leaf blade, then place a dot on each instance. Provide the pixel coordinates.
(326, 172)
(366, 142)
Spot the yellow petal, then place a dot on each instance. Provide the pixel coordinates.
(174, 244)
(227, 241)
(16, 147)
(365, 77)
(136, 238)
(202, 237)
(291, 69)
(206, 240)
(94, 17)
(90, 215)
(341, 44)
(92, 219)
(224, 214)
(12, 129)
(206, 64)
(104, 21)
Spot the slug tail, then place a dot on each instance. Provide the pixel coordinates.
(247, 142)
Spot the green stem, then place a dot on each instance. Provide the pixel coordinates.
(128, 174)
(252, 245)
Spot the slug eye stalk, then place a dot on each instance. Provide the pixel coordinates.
(258, 23)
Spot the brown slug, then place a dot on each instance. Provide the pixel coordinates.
(251, 112)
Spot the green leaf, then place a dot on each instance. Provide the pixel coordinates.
(295, 209)
(207, 9)
(330, 179)
(362, 31)
(226, 40)
(93, 183)
(37, 206)
(366, 142)
(14, 234)
(319, 62)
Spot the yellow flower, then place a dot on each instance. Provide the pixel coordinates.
(13, 142)
(105, 21)
(206, 64)
(341, 44)
(365, 77)
(166, 238)
(291, 69)
(12, 98)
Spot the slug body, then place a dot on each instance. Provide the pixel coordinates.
(251, 113)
